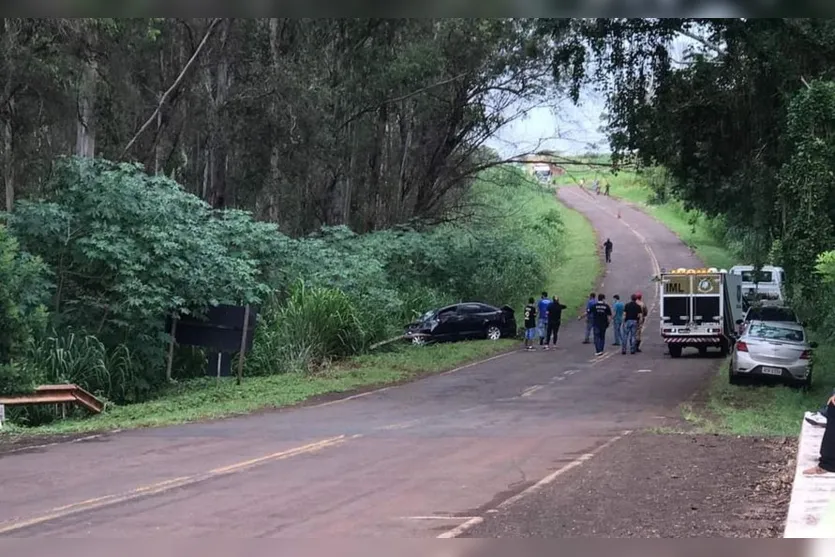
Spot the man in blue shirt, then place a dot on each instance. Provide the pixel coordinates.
(617, 321)
(592, 301)
(542, 325)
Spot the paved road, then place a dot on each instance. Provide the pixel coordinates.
(412, 461)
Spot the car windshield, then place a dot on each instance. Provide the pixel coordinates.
(768, 331)
(428, 315)
(762, 276)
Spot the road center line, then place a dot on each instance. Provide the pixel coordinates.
(531, 390)
(168, 485)
(549, 479)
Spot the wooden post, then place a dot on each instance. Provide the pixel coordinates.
(171, 348)
(243, 346)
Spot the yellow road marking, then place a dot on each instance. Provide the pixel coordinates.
(168, 485)
(531, 390)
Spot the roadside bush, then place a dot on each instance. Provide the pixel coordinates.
(127, 249)
(83, 360)
(24, 289)
(306, 330)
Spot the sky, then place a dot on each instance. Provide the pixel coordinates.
(562, 127)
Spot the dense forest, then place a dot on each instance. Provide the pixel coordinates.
(742, 124)
(334, 171)
(331, 171)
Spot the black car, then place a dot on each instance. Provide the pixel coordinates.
(468, 320)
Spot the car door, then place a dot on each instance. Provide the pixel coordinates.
(474, 319)
(449, 323)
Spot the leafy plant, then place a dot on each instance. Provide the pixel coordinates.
(24, 288)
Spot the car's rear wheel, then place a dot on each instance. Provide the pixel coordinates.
(675, 350)
(494, 333)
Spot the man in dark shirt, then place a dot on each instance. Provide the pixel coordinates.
(632, 318)
(589, 313)
(530, 324)
(607, 247)
(554, 317)
(602, 318)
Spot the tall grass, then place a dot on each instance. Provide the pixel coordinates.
(308, 329)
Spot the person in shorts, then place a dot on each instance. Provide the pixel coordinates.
(530, 324)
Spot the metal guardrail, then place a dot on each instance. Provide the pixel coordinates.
(57, 394)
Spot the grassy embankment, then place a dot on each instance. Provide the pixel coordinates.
(209, 398)
(755, 409)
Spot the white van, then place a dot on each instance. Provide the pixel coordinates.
(765, 284)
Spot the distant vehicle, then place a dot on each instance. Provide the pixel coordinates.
(765, 284)
(470, 320)
(777, 349)
(699, 309)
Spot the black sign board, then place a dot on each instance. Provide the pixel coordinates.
(221, 329)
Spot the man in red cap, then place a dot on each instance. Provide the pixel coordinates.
(638, 335)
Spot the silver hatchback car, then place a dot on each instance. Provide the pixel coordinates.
(778, 349)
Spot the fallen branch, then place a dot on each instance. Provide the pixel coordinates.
(385, 342)
(174, 85)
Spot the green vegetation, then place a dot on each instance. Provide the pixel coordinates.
(120, 250)
(208, 398)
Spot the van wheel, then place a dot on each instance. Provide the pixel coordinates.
(675, 350)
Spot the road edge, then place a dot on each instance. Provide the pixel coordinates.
(463, 528)
(811, 511)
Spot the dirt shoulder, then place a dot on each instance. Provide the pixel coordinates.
(662, 486)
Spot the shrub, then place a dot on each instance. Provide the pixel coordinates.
(24, 289)
(128, 249)
(308, 329)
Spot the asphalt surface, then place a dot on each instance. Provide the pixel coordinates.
(413, 461)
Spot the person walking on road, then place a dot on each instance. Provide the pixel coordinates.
(607, 247)
(602, 319)
(542, 325)
(596, 186)
(644, 312)
(606, 189)
(590, 303)
(632, 317)
(617, 320)
(554, 319)
(826, 462)
(530, 324)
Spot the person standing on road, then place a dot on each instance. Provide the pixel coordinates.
(632, 317)
(617, 321)
(554, 319)
(826, 462)
(542, 312)
(607, 247)
(606, 189)
(530, 324)
(596, 186)
(644, 312)
(590, 303)
(602, 319)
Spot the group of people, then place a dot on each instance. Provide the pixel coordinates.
(543, 320)
(595, 186)
(626, 319)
